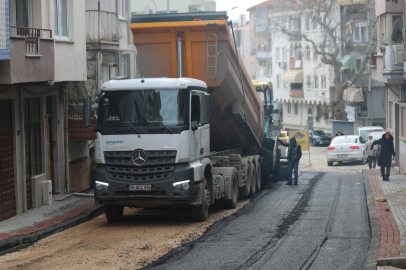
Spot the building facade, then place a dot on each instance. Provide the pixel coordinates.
(161, 6)
(47, 52)
(388, 67)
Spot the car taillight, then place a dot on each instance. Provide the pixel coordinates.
(331, 148)
(354, 147)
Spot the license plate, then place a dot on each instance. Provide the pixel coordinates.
(341, 156)
(139, 187)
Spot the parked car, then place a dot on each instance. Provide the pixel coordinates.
(364, 131)
(346, 148)
(376, 135)
(319, 137)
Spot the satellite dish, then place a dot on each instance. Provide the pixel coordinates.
(397, 31)
(150, 8)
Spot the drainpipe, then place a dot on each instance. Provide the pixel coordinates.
(66, 142)
(23, 173)
(179, 39)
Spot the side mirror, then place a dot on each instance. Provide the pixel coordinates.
(87, 111)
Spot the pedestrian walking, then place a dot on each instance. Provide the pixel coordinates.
(371, 157)
(339, 133)
(294, 155)
(387, 154)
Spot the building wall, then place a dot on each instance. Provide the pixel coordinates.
(137, 6)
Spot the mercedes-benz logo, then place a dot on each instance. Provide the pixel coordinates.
(139, 157)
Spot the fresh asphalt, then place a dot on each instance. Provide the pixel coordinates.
(322, 223)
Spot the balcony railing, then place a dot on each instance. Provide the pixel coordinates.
(32, 37)
(102, 26)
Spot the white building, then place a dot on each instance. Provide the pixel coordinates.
(242, 40)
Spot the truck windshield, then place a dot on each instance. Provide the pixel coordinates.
(143, 107)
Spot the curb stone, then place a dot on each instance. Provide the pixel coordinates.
(21, 241)
(373, 251)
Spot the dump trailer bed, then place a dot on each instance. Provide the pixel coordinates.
(208, 54)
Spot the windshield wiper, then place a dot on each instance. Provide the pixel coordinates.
(133, 126)
(158, 124)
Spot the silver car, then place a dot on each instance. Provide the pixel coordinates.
(346, 148)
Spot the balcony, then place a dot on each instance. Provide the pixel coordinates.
(32, 56)
(295, 64)
(102, 28)
(264, 55)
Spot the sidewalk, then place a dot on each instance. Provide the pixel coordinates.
(388, 217)
(27, 228)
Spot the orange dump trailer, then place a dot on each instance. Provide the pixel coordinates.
(208, 54)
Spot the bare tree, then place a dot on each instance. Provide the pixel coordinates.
(329, 50)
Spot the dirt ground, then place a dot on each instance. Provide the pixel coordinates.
(142, 237)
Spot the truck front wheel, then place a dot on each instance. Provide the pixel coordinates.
(114, 213)
(201, 212)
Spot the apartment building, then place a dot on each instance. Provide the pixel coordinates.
(242, 40)
(388, 67)
(47, 52)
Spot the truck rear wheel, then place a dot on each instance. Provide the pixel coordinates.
(258, 177)
(232, 203)
(114, 213)
(201, 212)
(253, 180)
(245, 190)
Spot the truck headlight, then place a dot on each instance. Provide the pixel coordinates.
(101, 186)
(181, 186)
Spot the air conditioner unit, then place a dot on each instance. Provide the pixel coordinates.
(262, 63)
(394, 57)
(282, 64)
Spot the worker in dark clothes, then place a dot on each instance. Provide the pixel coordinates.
(294, 155)
(387, 154)
(339, 133)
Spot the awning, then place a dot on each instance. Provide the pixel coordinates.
(77, 131)
(351, 2)
(353, 94)
(293, 76)
(349, 61)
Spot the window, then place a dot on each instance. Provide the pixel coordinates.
(20, 15)
(323, 82)
(125, 63)
(289, 108)
(284, 55)
(252, 43)
(308, 81)
(403, 121)
(283, 24)
(310, 111)
(253, 71)
(360, 33)
(390, 114)
(324, 20)
(316, 82)
(269, 69)
(307, 54)
(285, 85)
(61, 19)
(32, 136)
(295, 109)
(278, 81)
(307, 23)
(314, 22)
(315, 55)
(122, 9)
(277, 55)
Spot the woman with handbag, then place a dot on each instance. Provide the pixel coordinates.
(387, 154)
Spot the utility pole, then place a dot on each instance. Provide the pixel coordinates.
(168, 9)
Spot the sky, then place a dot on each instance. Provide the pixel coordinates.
(243, 5)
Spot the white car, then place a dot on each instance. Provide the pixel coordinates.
(346, 148)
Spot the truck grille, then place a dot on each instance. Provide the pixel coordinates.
(159, 166)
